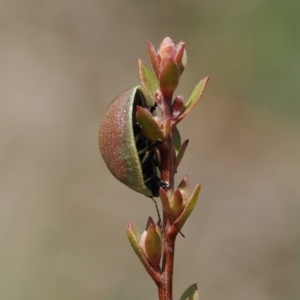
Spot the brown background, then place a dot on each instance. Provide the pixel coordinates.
(63, 216)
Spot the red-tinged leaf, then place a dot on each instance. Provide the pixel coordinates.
(181, 153)
(177, 204)
(149, 222)
(153, 246)
(184, 188)
(194, 98)
(166, 49)
(133, 232)
(191, 293)
(165, 203)
(134, 240)
(148, 125)
(179, 52)
(153, 58)
(189, 207)
(148, 78)
(180, 57)
(169, 78)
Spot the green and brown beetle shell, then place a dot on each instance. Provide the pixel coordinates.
(121, 141)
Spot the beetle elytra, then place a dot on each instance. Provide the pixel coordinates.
(126, 151)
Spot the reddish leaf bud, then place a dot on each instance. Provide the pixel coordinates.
(166, 50)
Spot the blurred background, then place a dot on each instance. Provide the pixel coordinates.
(62, 214)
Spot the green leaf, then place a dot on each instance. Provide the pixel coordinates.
(178, 224)
(191, 293)
(196, 94)
(148, 125)
(176, 140)
(134, 240)
(133, 234)
(148, 78)
(194, 98)
(181, 152)
(153, 246)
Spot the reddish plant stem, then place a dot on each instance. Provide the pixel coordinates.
(160, 292)
(168, 270)
(167, 174)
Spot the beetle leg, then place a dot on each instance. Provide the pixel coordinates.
(152, 108)
(146, 156)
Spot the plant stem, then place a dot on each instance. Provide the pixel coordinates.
(168, 270)
(167, 173)
(161, 292)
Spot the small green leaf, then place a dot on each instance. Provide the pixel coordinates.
(148, 78)
(134, 238)
(181, 153)
(169, 78)
(148, 125)
(176, 140)
(196, 94)
(194, 98)
(189, 207)
(153, 246)
(191, 293)
(134, 234)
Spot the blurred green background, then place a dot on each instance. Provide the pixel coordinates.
(62, 214)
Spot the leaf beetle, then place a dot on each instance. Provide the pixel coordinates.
(127, 152)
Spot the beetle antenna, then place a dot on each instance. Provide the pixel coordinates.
(157, 210)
